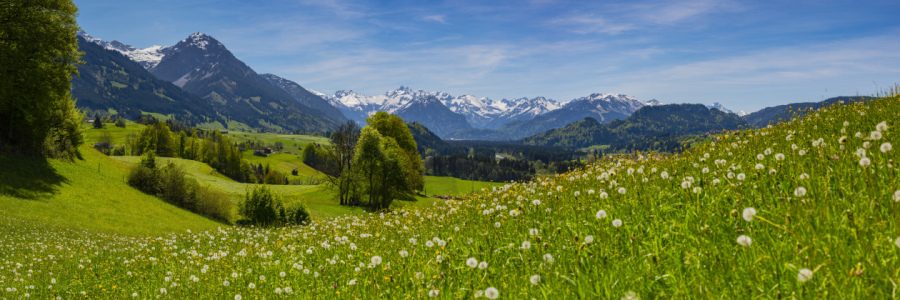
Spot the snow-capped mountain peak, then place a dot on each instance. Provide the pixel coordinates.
(720, 107)
(200, 40)
(147, 57)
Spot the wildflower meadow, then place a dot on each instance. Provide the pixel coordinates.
(807, 208)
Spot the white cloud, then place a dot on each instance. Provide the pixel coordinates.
(436, 18)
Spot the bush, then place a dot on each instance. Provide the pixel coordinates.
(119, 150)
(213, 203)
(175, 188)
(120, 123)
(296, 213)
(143, 179)
(261, 206)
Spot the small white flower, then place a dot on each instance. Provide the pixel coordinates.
(497, 224)
(759, 166)
(617, 223)
(535, 279)
(376, 260)
(526, 245)
(697, 190)
(548, 257)
(779, 156)
(533, 231)
(589, 239)
(352, 282)
(237, 297)
(601, 214)
(482, 265)
(429, 244)
(760, 157)
(403, 253)
(226, 283)
(603, 195)
(881, 126)
(897, 242)
(744, 240)
(622, 190)
(896, 196)
(685, 184)
(886, 147)
(804, 275)
(741, 176)
(433, 293)
(804, 176)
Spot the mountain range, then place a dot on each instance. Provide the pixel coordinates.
(202, 66)
(223, 89)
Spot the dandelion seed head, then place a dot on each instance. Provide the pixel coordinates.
(744, 240)
(535, 279)
(617, 223)
(491, 293)
(804, 275)
(749, 213)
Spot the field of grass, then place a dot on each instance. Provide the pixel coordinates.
(90, 194)
(288, 140)
(449, 186)
(807, 209)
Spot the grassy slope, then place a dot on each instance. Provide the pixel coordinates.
(655, 238)
(90, 194)
(439, 186)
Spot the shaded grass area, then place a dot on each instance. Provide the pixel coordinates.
(89, 194)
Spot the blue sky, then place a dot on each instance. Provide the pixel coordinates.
(745, 54)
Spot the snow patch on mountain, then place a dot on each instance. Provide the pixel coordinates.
(722, 108)
(147, 57)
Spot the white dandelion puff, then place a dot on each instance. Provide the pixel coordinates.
(601, 214)
(886, 147)
(804, 275)
(800, 191)
(617, 223)
(882, 126)
(491, 293)
(865, 162)
(744, 240)
(472, 262)
(589, 239)
(749, 213)
(875, 135)
(535, 279)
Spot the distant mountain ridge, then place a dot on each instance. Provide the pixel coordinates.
(677, 119)
(478, 112)
(601, 107)
(201, 65)
(771, 115)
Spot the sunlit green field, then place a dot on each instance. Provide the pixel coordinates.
(90, 194)
(807, 209)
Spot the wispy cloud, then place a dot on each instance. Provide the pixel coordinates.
(436, 18)
(584, 24)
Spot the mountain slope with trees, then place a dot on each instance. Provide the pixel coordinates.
(678, 119)
(771, 115)
(109, 80)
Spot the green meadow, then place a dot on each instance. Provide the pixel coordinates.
(805, 209)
